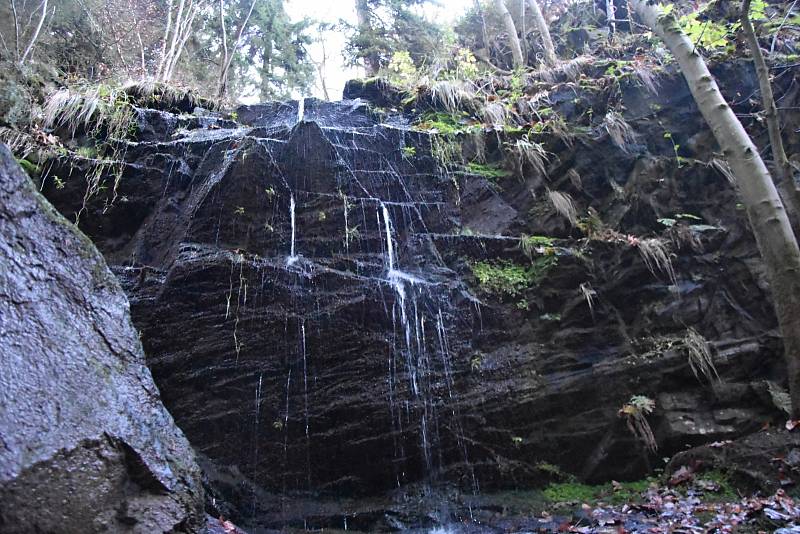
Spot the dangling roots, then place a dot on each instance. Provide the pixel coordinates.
(635, 412)
(564, 205)
(700, 359)
(655, 256)
(618, 129)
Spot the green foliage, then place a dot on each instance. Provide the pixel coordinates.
(443, 123)
(272, 61)
(528, 244)
(401, 69)
(409, 151)
(490, 171)
(29, 167)
(105, 114)
(570, 492)
(389, 26)
(709, 34)
(506, 278)
(465, 65)
(613, 492)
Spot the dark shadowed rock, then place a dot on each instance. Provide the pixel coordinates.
(85, 443)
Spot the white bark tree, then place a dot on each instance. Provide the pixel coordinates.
(19, 31)
(227, 58)
(783, 169)
(766, 213)
(550, 57)
(178, 29)
(511, 30)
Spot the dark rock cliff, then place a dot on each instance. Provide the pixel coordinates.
(85, 443)
(306, 294)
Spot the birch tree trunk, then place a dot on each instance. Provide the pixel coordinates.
(184, 31)
(611, 16)
(511, 30)
(163, 58)
(35, 35)
(174, 41)
(16, 28)
(783, 170)
(550, 57)
(223, 75)
(768, 219)
(221, 88)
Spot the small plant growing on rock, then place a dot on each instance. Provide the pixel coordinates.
(564, 206)
(524, 151)
(655, 256)
(589, 294)
(635, 412)
(505, 278)
(535, 243)
(701, 360)
(104, 114)
(618, 129)
(452, 95)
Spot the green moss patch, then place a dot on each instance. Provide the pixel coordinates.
(506, 278)
(491, 171)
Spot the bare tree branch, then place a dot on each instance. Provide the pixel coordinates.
(35, 35)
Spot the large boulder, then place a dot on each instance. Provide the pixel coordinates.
(85, 443)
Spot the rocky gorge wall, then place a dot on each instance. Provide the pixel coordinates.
(306, 278)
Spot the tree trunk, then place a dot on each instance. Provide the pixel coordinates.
(35, 35)
(16, 29)
(783, 169)
(167, 29)
(371, 62)
(768, 219)
(183, 36)
(550, 57)
(611, 16)
(321, 68)
(223, 75)
(511, 30)
(175, 34)
(223, 78)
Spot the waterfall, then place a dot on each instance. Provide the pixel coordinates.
(255, 442)
(305, 400)
(413, 328)
(389, 245)
(292, 256)
(305, 371)
(301, 109)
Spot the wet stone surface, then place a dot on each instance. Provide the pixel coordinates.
(304, 288)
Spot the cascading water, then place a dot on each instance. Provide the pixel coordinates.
(292, 259)
(389, 240)
(257, 418)
(366, 320)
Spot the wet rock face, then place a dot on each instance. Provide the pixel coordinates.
(87, 445)
(306, 298)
